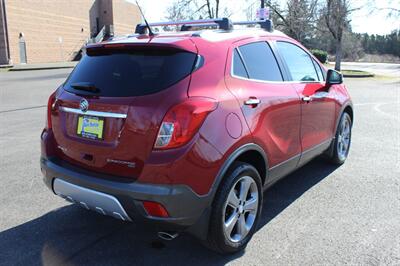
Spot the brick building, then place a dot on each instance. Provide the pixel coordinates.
(36, 31)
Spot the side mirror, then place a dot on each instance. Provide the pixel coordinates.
(333, 77)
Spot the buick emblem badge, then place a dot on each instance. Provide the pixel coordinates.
(84, 105)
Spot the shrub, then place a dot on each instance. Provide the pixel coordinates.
(322, 56)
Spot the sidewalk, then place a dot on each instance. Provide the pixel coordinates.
(41, 66)
(383, 69)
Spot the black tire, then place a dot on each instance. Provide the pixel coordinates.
(217, 239)
(335, 156)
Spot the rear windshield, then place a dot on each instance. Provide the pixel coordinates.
(122, 73)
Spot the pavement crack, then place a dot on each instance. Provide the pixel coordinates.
(23, 109)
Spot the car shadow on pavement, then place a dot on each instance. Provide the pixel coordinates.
(71, 235)
(288, 189)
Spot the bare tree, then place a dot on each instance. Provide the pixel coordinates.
(250, 10)
(296, 18)
(252, 6)
(177, 10)
(300, 17)
(336, 16)
(277, 14)
(194, 9)
(391, 8)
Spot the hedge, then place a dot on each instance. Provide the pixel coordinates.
(322, 56)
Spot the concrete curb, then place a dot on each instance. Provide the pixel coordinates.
(355, 73)
(38, 68)
(43, 66)
(358, 76)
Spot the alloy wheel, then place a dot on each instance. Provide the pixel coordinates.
(240, 210)
(343, 143)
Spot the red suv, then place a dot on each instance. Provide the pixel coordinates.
(186, 130)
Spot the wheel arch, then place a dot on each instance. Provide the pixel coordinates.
(246, 152)
(345, 108)
(250, 153)
(349, 109)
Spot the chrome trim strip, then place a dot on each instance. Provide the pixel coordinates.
(93, 113)
(275, 82)
(90, 199)
(266, 81)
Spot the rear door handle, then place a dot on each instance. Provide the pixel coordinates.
(253, 102)
(307, 99)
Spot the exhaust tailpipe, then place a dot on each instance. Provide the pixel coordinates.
(168, 236)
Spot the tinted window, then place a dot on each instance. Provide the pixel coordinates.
(298, 61)
(131, 73)
(323, 72)
(319, 71)
(238, 67)
(260, 62)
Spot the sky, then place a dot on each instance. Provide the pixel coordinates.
(361, 21)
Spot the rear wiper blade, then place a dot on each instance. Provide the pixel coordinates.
(85, 86)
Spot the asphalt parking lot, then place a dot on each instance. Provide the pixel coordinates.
(320, 215)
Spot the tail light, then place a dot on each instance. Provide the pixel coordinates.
(182, 122)
(50, 106)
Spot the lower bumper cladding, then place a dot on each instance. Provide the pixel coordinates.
(167, 207)
(90, 199)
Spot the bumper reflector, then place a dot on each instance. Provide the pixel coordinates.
(155, 209)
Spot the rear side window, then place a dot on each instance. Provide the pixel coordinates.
(122, 73)
(260, 62)
(298, 61)
(238, 67)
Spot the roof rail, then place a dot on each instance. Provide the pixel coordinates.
(223, 23)
(265, 24)
(189, 27)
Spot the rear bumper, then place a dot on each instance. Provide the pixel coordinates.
(185, 207)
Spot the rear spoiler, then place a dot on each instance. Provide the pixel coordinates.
(184, 45)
